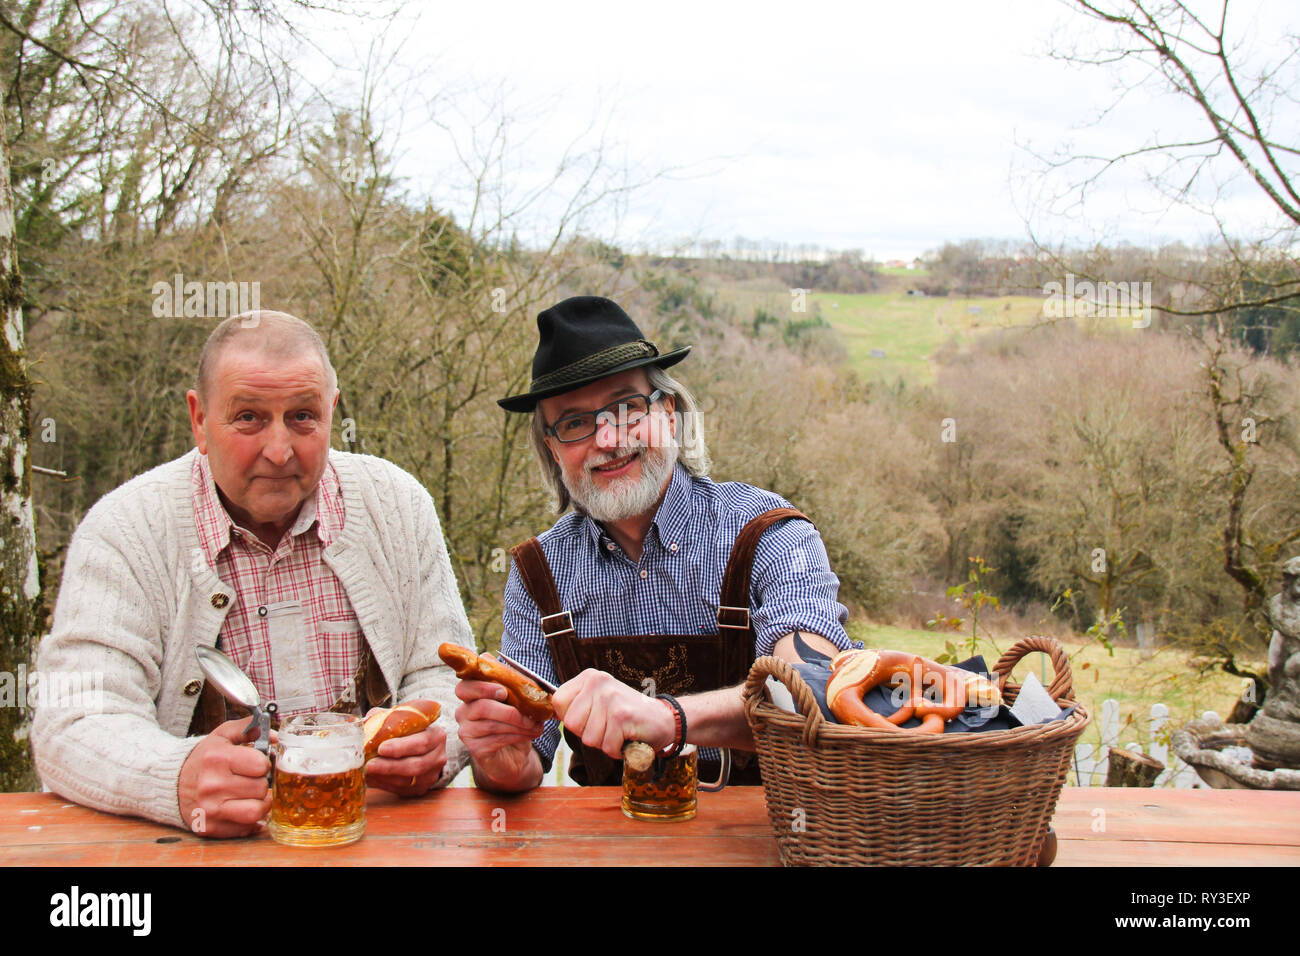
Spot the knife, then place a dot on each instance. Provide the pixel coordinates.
(636, 753)
(541, 682)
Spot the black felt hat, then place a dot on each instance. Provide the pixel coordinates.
(584, 339)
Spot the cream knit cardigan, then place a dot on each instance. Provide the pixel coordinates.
(138, 597)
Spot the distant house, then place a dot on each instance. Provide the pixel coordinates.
(916, 292)
(877, 353)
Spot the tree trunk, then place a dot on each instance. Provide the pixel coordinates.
(1128, 769)
(19, 573)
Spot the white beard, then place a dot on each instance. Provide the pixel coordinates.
(625, 499)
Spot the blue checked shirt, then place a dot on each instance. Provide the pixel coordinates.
(674, 588)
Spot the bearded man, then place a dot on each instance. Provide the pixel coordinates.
(659, 582)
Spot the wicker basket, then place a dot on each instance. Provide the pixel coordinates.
(839, 794)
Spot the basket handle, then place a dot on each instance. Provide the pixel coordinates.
(755, 692)
(1061, 686)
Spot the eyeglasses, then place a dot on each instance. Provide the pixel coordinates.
(627, 410)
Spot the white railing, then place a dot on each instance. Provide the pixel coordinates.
(1091, 764)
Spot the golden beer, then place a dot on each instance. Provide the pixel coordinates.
(319, 809)
(319, 790)
(666, 791)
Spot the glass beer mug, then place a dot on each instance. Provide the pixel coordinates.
(666, 790)
(319, 790)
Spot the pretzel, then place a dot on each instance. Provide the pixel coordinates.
(521, 693)
(400, 721)
(980, 691)
(525, 696)
(853, 673)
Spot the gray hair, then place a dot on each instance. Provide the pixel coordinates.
(277, 334)
(693, 454)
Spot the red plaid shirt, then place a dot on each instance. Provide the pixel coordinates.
(291, 628)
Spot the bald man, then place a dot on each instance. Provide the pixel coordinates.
(324, 575)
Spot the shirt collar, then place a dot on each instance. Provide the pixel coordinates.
(592, 530)
(214, 524)
(670, 520)
(675, 511)
(210, 518)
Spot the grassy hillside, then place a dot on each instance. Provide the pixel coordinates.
(909, 330)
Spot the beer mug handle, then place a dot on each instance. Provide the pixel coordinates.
(262, 719)
(724, 775)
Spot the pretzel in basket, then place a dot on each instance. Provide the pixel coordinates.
(855, 672)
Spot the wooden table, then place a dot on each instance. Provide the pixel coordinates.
(567, 826)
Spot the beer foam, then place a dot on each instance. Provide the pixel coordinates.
(296, 761)
(311, 754)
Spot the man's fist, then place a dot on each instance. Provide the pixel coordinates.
(498, 737)
(222, 791)
(605, 713)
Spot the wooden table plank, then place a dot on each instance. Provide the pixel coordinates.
(1162, 827)
(1150, 853)
(460, 827)
(568, 826)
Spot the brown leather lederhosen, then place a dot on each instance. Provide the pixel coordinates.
(368, 689)
(677, 663)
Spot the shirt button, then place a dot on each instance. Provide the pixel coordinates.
(219, 600)
(193, 687)
(261, 611)
(673, 547)
(643, 575)
(610, 546)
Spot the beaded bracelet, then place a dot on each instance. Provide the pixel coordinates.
(679, 726)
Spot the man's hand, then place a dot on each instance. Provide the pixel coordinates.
(409, 766)
(605, 713)
(222, 789)
(498, 737)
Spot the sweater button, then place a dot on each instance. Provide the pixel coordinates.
(220, 600)
(193, 687)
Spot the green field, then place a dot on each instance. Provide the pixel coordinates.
(1169, 677)
(907, 329)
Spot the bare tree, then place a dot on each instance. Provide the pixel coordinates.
(1243, 100)
(430, 320)
(19, 574)
(1226, 128)
(1262, 524)
(126, 122)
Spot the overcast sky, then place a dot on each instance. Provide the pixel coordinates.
(884, 127)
